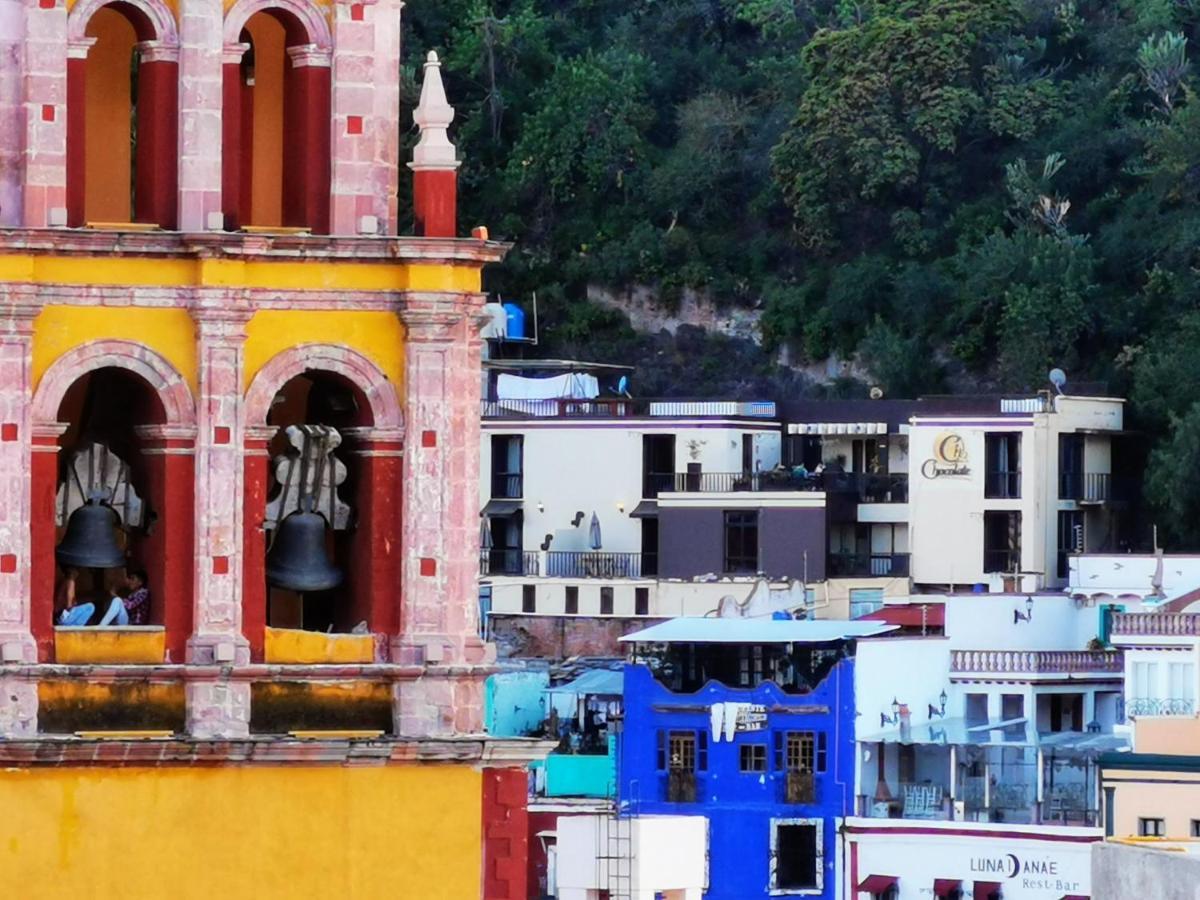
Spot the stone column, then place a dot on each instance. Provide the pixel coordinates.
(219, 472)
(46, 52)
(366, 116)
(158, 134)
(199, 156)
(221, 708)
(440, 565)
(12, 111)
(256, 466)
(18, 700)
(43, 534)
(306, 164)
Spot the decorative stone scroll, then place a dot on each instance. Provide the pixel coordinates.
(309, 470)
(97, 470)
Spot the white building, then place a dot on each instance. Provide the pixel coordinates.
(978, 751)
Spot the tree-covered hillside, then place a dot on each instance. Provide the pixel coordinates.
(951, 192)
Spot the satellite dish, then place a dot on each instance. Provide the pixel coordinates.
(876, 393)
(1058, 378)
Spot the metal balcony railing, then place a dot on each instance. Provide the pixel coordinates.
(1002, 485)
(1086, 487)
(1156, 623)
(592, 564)
(1160, 706)
(864, 565)
(508, 562)
(507, 485)
(624, 407)
(681, 786)
(1003, 561)
(1036, 662)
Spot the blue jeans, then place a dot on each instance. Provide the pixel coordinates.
(116, 614)
(77, 615)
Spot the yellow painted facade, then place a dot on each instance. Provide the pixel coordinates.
(292, 645)
(259, 833)
(169, 332)
(311, 274)
(125, 646)
(377, 335)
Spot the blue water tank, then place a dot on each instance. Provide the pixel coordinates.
(516, 320)
(979, 588)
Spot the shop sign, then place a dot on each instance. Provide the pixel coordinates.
(949, 457)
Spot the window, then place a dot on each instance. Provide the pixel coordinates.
(1070, 467)
(1181, 686)
(864, 601)
(752, 758)
(528, 598)
(507, 458)
(1070, 539)
(606, 601)
(1001, 542)
(1195, 828)
(1152, 827)
(741, 541)
(796, 855)
(1012, 706)
(1002, 453)
(641, 601)
(683, 750)
(976, 710)
(800, 751)
(571, 604)
(658, 463)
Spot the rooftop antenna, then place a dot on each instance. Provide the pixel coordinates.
(1058, 378)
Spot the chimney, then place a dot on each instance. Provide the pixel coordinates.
(434, 163)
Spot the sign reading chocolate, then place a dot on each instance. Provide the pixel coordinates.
(949, 457)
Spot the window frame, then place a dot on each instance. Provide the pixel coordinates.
(528, 598)
(774, 888)
(607, 600)
(1144, 826)
(571, 600)
(753, 753)
(741, 525)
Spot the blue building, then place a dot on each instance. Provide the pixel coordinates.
(750, 724)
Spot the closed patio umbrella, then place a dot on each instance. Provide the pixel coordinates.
(594, 532)
(485, 534)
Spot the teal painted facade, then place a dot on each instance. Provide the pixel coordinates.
(514, 703)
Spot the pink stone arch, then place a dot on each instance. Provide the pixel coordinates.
(350, 364)
(304, 11)
(166, 382)
(154, 12)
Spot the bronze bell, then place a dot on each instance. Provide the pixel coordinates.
(298, 561)
(90, 541)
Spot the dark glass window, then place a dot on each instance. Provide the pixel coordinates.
(528, 598)
(795, 857)
(1003, 463)
(741, 541)
(606, 601)
(641, 601)
(752, 758)
(571, 605)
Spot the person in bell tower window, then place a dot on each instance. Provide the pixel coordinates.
(134, 607)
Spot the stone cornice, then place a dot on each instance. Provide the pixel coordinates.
(175, 672)
(273, 751)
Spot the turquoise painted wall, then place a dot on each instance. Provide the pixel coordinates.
(514, 703)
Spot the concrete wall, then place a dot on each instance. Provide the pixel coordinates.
(514, 703)
(1122, 871)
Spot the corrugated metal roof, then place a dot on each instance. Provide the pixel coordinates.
(711, 630)
(603, 682)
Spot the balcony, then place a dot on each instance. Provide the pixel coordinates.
(1005, 562)
(729, 482)
(592, 564)
(867, 565)
(1157, 706)
(1156, 624)
(799, 787)
(681, 786)
(624, 407)
(1037, 662)
(869, 487)
(507, 486)
(509, 562)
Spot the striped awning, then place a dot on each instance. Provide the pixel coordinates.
(833, 428)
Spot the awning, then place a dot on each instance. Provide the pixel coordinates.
(647, 509)
(1076, 897)
(986, 890)
(597, 682)
(945, 887)
(833, 428)
(501, 507)
(911, 615)
(877, 884)
(757, 630)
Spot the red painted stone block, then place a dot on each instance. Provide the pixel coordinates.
(220, 565)
(354, 124)
(221, 434)
(8, 563)
(9, 431)
(428, 567)
(428, 438)
(356, 12)
(48, 108)
(46, 4)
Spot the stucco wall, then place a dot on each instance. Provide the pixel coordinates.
(1121, 871)
(241, 832)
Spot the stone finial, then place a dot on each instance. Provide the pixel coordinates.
(433, 116)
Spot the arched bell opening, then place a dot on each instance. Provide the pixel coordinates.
(122, 104)
(107, 503)
(276, 124)
(312, 563)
